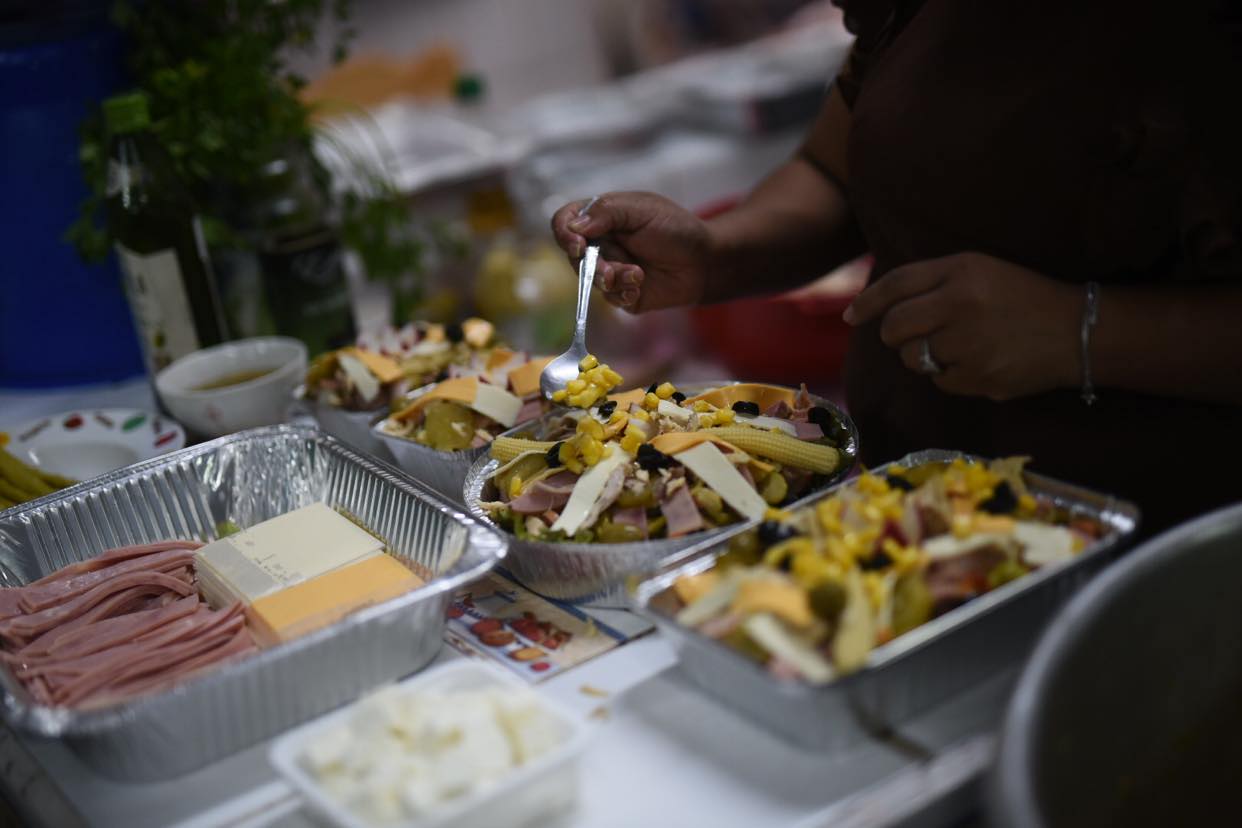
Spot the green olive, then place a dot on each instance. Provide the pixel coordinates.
(645, 497)
(827, 599)
(775, 488)
(608, 532)
(449, 426)
(710, 503)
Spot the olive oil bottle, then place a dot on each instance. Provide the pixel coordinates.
(159, 242)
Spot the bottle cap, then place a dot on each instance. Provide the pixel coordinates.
(126, 113)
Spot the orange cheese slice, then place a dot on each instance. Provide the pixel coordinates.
(318, 602)
(763, 395)
(498, 357)
(458, 389)
(675, 442)
(524, 379)
(385, 368)
(627, 398)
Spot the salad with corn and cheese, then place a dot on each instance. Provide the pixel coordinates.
(810, 593)
(493, 392)
(655, 463)
(380, 368)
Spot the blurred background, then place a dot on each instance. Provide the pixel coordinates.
(428, 143)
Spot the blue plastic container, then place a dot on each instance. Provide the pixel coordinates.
(61, 322)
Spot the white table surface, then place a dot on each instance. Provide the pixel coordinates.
(663, 752)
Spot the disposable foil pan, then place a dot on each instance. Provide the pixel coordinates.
(444, 471)
(914, 671)
(245, 478)
(350, 427)
(599, 573)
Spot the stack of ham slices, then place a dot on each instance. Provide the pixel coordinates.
(127, 622)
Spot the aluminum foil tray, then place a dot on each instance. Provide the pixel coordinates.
(244, 478)
(444, 471)
(915, 671)
(601, 574)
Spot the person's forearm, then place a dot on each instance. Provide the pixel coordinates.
(1183, 341)
(795, 227)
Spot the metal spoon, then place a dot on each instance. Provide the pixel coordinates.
(564, 368)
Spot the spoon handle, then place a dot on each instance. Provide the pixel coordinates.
(586, 276)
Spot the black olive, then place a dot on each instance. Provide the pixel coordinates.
(1002, 502)
(607, 408)
(454, 332)
(897, 482)
(651, 458)
(786, 563)
(750, 409)
(679, 397)
(773, 531)
(554, 455)
(877, 561)
(822, 417)
(651, 388)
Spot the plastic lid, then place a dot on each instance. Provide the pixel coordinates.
(126, 113)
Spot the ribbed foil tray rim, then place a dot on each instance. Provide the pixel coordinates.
(26, 715)
(1120, 515)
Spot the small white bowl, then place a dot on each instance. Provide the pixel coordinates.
(261, 401)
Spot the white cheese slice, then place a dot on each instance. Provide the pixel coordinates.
(284, 551)
(1043, 544)
(497, 403)
(427, 347)
(362, 378)
(950, 546)
(674, 411)
(768, 423)
(587, 490)
(772, 636)
(714, 469)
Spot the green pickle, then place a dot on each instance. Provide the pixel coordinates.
(775, 488)
(608, 532)
(523, 469)
(827, 599)
(912, 602)
(449, 426)
(743, 550)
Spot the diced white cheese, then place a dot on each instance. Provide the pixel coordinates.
(361, 377)
(497, 403)
(587, 490)
(773, 637)
(711, 466)
(674, 411)
(769, 423)
(1043, 544)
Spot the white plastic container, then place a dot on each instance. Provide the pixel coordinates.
(528, 796)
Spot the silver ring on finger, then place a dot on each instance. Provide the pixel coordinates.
(927, 362)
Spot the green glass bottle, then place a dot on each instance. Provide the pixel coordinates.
(159, 243)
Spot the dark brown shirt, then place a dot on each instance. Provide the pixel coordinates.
(1086, 140)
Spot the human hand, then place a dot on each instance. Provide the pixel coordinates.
(997, 329)
(653, 254)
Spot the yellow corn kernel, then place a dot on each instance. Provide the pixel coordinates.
(724, 416)
(559, 395)
(592, 451)
(515, 486)
(1026, 504)
(608, 451)
(576, 386)
(593, 377)
(611, 377)
(702, 405)
(665, 390)
(651, 402)
(871, 484)
(641, 414)
(772, 513)
(631, 441)
(592, 427)
(588, 362)
(566, 452)
(579, 400)
(706, 421)
(617, 416)
(575, 465)
(961, 525)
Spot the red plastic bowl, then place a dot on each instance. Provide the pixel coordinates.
(787, 339)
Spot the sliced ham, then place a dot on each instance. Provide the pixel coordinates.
(681, 512)
(127, 600)
(954, 581)
(531, 409)
(100, 635)
(635, 516)
(780, 409)
(110, 557)
(808, 431)
(36, 598)
(550, 493)
(35, 623)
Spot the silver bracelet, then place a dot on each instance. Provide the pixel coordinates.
(1090, 315)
